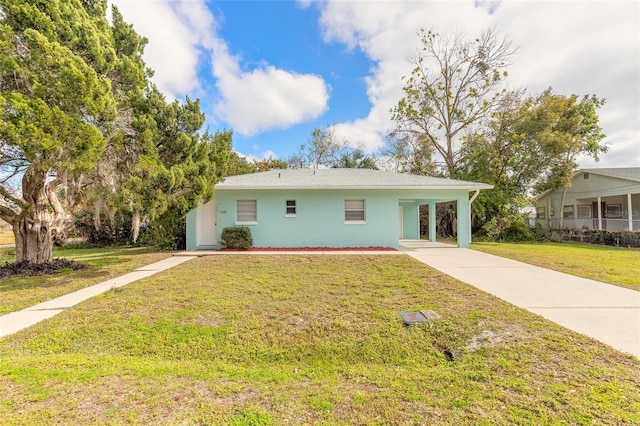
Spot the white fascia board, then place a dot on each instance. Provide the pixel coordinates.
(292, 187)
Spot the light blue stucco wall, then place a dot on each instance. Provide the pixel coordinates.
(192, 229)
(319, 220)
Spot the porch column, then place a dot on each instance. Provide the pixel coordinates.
(599, 211)
(432, 222)
(464, 220)
(630, 212)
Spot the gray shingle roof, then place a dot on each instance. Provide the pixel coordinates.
(631, 173)
(341, 179)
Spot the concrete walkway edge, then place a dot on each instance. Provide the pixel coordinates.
(608, 313)
(16, 321)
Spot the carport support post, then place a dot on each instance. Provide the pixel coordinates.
(432, 221)
(464, 222)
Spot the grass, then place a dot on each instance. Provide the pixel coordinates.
(6, 237)
(21, 292)
(309, 339)
(613, 265)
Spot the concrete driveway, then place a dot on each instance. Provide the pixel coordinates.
(605, 312)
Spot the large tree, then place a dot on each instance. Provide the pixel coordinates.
(530, 145)
(82, 127)
(325, 151)
(54, 99)
(455, 84)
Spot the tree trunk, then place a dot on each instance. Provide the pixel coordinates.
(97, 210)
(135, 226)
(34, 242)
(41, 219)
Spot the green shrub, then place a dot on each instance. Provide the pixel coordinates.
(237, 237)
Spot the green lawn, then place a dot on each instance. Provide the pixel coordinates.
(309, 339)
(21, 292)
(613, 265)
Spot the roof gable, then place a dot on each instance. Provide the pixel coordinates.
(341, 179)
(628, 173)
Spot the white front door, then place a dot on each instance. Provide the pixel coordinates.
(207, 234)
(401, 221)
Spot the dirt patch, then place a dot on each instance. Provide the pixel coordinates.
(30, 269)
(509, 335)
(370, 248)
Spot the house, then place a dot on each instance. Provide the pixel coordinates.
(615, 190)
(328, 208)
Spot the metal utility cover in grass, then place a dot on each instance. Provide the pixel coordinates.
(410, 318)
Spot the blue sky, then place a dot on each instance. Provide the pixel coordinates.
(274, 70)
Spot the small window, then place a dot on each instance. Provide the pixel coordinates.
(585, 176)
(354, 211)
(541, 212)
(567, 212)
(246, 212)
(613, 210)
(584, 212)
(290, 208)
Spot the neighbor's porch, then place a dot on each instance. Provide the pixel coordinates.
(615, 213)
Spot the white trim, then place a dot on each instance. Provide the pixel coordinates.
(358, 209)
(222, 187)
(255, 211)
(287, 207)
(355, 222)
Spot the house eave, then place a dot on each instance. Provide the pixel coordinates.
(351, 187)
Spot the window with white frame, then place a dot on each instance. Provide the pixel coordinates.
(354, 211)
(613, 210)
(584, 211)
(541, 212)
(290, 208)
(246, 212)
(567, 212)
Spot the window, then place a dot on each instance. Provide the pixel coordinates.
(585, 176)
(246, 212)
(584, 212)
(290, 208)
(567, 212)
(541, 212)
(613, 210)
(354, 211)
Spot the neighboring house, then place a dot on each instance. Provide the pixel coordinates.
(328, 208)
(615, 190)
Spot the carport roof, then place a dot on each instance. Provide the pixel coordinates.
(342, 179)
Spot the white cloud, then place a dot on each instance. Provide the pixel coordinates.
(173, 49)
(180, 33)
(575, 47)
(263, 156)
(269, 98)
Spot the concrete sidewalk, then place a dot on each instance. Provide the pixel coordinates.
(605, 312)
(15, 321)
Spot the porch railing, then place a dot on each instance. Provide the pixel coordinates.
(609, 224)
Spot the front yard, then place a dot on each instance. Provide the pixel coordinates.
(613, 265)
(105, 263)
(309, 339)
